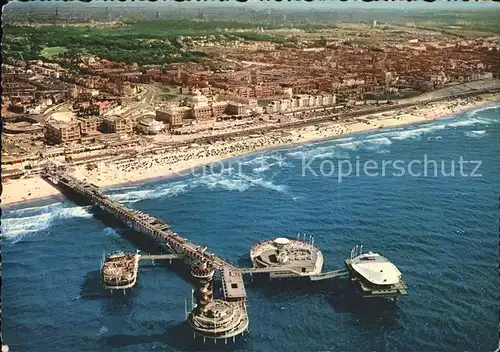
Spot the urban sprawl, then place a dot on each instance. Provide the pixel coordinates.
(88, 112)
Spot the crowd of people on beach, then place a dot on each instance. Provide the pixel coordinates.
(168, 162)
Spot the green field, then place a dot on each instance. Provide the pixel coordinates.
(51, 51)
(143, 42)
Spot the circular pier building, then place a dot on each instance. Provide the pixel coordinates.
(119, 270)
(285, 257)
(214, 318)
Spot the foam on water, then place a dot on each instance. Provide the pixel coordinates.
(261, 169)
(102, 331)
(237, 182)
(475, 134)
(329, 152)
(378, 145)
(227, 179)
(168, 190)
(264, 183)
(351, 145)
(232, 185)
(16, 226)
(126, 187)
(268, 166)
(257, 160)
(109, 231)
(481, 111)
(218, 181)
(470, 122)
(37, 209)
(74, 212)
(476, 117)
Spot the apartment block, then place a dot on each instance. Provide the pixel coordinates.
(62, 132)
(119, 125)
(90, 125)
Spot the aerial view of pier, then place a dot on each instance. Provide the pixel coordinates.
(227, 318)
(250, 176)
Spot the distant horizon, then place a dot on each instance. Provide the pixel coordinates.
(296, 4)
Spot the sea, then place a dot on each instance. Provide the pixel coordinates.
(432, 210)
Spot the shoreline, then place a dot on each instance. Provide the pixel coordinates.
(117, 176)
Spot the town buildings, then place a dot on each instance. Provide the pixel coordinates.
(117, 124)
(90, 125)
(58, 132)
(301, 102)
(148, 125)
(243, 79)
(198, 107)
(174, 116)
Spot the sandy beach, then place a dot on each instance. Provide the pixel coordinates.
(182, 160)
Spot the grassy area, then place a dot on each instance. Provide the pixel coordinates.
(153, 42)
(50, 52)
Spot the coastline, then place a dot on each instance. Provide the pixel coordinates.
(180, 163)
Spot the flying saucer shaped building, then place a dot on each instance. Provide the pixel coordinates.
(375, 275)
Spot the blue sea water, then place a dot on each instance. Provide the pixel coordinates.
(441, 232)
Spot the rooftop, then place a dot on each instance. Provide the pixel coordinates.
(376, 269)
(232, 283)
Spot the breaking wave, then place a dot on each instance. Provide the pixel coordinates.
(473, 118)
(378, 145)
(475, 134)
(268, 166)
(471, 122)
(216, 181)
(258, 159)
(227, 179)
(38, 219)
(320, 153)
(476, 112)
(414, 134)
(172, 190)
(36, 209)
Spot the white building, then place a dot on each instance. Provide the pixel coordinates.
(149, 125)
(300, 102)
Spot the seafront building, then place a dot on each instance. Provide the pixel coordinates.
(71, 129)
(148, 125)
(58, 132)
(198, 107)
(301, 101)
(90, 125)
(119, 125)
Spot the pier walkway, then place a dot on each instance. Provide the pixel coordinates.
(329, 274)
(232, 277)
(160, 256)
(144, 223)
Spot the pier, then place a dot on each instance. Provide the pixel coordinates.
(123, 275)
(160, 256)
(227, 318)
